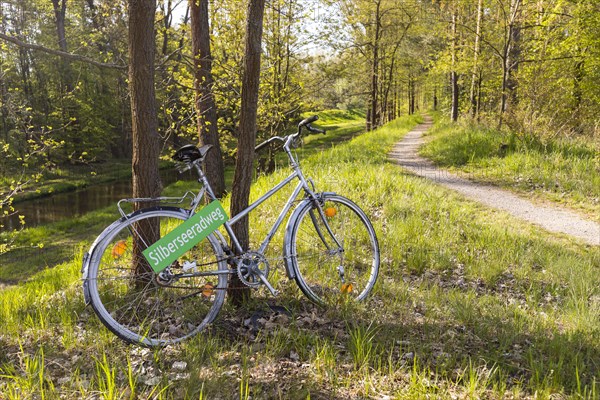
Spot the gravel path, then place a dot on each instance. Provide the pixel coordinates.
(553, 219)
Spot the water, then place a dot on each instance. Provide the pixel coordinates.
(63, 206)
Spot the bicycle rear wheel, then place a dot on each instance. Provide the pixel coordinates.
(334, 251)
(146, 308)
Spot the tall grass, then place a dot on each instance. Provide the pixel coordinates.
(559, 169)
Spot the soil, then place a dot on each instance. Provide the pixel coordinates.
(405, 153)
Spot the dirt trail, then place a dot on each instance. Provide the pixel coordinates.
(553, 219)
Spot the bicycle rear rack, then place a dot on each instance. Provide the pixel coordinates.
(162, 200)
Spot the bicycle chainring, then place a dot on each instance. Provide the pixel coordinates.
(248, 267)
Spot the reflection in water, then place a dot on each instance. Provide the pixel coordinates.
(73, 204)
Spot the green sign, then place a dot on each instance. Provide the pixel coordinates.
(175, 243)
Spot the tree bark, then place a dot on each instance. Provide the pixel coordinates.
(144, 120)
(60, 8)
(514, 54)
(205, 99)
(454, 74)
(372, 122)
(511, 54)
(247, 133)
(411, 95)
(578, 75)
(473, 94)
(167, 10)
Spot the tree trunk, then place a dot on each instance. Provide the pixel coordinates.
(144, 120)
(514, 54)
(60, 7)
(372, 122)
(473, 94)
(4, 124)
(205, 99)
(511, 54)
(412, 95)
(167, 9)
(375, 69)
(479, 82)
(390, 81)
(454, 74)
(247, 133)
(578, 96)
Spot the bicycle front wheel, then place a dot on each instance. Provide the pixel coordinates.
(148, 308)
(334, 251)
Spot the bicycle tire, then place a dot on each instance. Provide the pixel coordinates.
(325, 274)
(131, 300)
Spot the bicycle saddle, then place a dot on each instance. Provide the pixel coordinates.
(190, 153)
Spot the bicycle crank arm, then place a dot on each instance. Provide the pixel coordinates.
(264, 280)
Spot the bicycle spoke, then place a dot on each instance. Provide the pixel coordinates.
(154, 308)
(325, 272)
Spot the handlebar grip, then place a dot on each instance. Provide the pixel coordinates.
(308, 120)
(314, 130)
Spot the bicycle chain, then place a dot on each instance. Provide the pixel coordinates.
(233, 271)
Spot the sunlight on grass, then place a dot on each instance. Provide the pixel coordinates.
(564, 170)
(470, 303)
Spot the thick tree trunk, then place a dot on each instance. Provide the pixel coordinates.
(144, 121)
(205, 99)
(247, 132)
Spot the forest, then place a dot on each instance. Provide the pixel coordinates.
(526, 66)
(99, 91)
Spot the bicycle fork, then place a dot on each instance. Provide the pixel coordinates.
(331, 251)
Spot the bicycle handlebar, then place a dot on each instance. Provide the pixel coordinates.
(304, 123)
(307, 121)
(314, 130)
(266, 142)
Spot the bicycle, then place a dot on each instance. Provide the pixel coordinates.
(330, 249)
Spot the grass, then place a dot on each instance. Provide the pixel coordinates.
(470, 303)
(562, 170)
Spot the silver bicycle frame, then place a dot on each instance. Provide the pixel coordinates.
(302, 185)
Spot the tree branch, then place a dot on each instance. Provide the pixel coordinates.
(59, 53)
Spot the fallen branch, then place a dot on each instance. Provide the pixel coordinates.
(59, 53)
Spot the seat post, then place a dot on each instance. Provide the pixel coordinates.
(204, 181)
